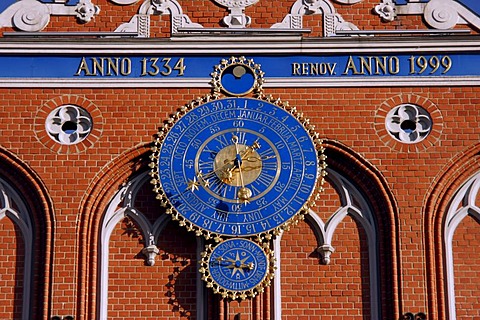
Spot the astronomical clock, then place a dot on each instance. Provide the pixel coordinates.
(237, 167)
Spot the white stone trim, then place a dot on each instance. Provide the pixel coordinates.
(439, 14)
(408, 123)
(277, 280)
(244, 45)
(462, 205)
(120, 207)
(68, 124)
(332, 21)
(247, 46)
(32, 15)
(269, 82)
(9, 200)
(141, 22)
(354, 205)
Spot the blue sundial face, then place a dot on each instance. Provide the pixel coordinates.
(237, 166)
(238, 265)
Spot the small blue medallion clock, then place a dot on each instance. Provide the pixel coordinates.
(237, 268)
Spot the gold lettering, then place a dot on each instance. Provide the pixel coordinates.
(372, 65)
(112, 66)
(125, 67)
(180, 66)
(304, 69)
(97, 64)
(365, 66)
(380, 65)
(167, 67)
(394, 65)
(83, 67)
(105, 66)
(295, 69)
(313, 68)
(351, 67)
(331, 68)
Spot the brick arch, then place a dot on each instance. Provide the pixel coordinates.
(369, 181)
(455, 173)
(35, 197)
(97, 197)
(340, 158)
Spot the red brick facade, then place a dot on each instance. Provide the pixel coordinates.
(398, 197)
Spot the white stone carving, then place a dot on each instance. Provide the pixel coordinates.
(237, 17)
(408, 123)
(386, 10)
(85, 10)
(348, 1)
(124, 2)
(150, 252)
(32, 15)
(464, 204)
(325, 252)
(141, 22)
(332, 21)
(68, 124)
(439, 14)
(12, 207)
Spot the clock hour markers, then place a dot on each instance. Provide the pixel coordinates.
(235, 161)
(240, 168)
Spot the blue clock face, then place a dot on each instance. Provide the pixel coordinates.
(238, 265)
(237, 166)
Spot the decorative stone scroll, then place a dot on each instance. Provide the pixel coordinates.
(33, 15)
(439, 14)
(141, 22)
(237, 17)
(332, 21)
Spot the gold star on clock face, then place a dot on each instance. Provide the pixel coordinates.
(193, 184)
(237, 265)
(206, 183)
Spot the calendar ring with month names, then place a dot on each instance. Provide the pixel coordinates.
(237, 166)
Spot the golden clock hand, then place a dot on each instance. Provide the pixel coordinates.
(244, 194)
(230, 165)
(254, 146)
(252, 168)
(238, 160)
(204, 177)
(255, 159)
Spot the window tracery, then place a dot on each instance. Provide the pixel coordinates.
(463, 204)
(13, 208)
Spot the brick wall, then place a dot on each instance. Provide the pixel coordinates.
(67, 190)
(129, 118)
